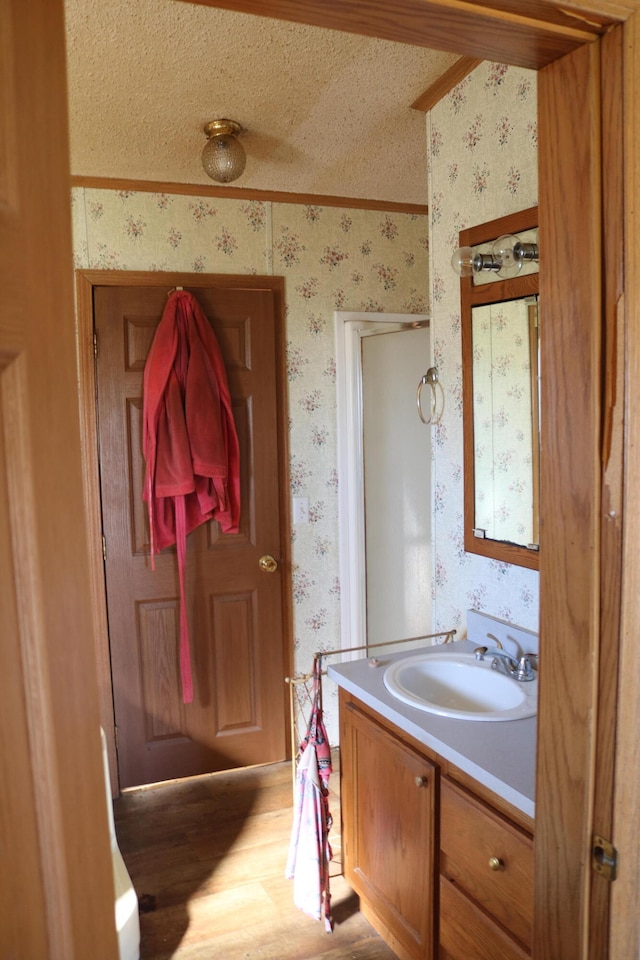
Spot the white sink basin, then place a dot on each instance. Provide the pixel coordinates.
(455, 684)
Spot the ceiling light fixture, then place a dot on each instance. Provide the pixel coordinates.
(223, 156)
(508, 253)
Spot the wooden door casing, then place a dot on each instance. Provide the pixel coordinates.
(625, 893)
(238, 630)
(525, 33)
(611, 515)
(571, 232)
(56, 881)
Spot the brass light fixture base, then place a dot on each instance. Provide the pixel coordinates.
(216, 128)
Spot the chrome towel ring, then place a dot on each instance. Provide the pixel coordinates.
(431, 378)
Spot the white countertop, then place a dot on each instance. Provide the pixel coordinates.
(500, 754)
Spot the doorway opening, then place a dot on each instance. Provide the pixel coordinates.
(384, 470)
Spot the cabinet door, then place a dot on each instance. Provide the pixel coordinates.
(388, 824)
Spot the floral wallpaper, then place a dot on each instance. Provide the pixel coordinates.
(482, 142)
(332, 259)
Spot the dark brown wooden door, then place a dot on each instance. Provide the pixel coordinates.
(237, 716)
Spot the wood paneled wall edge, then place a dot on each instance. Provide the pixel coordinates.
(239, 193)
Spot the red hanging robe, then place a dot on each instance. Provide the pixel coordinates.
(189, 441)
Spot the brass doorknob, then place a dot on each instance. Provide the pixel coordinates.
(268, 563)
(422, 781)
(495, 863)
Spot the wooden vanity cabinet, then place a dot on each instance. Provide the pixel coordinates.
(407, 816)
(388, 822)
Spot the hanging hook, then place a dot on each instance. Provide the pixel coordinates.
(430, 377)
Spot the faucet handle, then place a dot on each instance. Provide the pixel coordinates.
(524, 670)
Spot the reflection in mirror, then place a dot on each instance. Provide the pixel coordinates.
(500, 404)
(504, 337)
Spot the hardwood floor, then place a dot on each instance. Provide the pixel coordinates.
(207, 858)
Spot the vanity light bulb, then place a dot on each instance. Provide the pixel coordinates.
(462, 261)
(503, 252)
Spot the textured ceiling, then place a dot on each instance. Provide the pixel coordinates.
(325, 112)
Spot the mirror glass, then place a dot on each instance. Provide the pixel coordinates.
(505, 349)
(500, 354)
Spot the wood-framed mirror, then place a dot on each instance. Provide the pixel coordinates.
(500, 379)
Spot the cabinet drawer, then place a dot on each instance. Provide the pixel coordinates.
(474, 840)
(465, 931)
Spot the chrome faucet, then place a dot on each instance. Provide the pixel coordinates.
(519, 668)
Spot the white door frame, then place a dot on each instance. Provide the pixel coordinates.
(350, 328)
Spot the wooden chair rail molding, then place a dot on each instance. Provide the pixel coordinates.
(523, 33)
(243, 193)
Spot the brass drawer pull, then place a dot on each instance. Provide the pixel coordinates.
(496, 863)
(422, 781)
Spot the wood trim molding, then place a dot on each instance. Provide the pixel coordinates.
(91, 493)
(525, 33)
(474, 295)
(598, 11)
(239, 193)
(445, 84)
(569, 111)
(613, 508)
(625, 930)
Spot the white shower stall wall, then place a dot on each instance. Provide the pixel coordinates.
(384, 468)
(397, 485)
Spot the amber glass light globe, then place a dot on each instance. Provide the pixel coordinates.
(223, 156)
